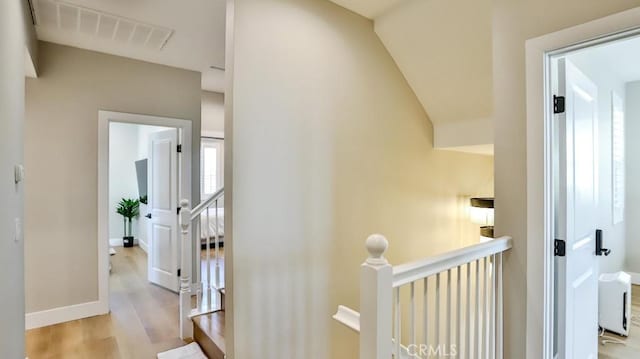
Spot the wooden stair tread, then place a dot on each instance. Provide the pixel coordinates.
(209, 334)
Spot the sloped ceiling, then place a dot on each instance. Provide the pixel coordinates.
(444, 50)
(368, 8)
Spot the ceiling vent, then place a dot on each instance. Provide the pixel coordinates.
(89, 22)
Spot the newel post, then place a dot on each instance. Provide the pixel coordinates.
(376, 282)
(186, 327)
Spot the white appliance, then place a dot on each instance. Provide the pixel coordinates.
(614, 294)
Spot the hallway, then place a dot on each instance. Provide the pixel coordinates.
(143, 319)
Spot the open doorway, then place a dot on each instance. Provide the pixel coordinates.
(143, 173)
(596, 183)
(132, 150)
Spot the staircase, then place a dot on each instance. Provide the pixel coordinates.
(208, 332)
(449, 305)
(202, 315)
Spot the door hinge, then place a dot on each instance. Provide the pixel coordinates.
(179, 148)
(560, 248)
(558, 104)
(178, 210)
(179, 272)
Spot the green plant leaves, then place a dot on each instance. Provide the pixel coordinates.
(128, 208)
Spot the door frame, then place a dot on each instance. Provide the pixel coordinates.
(184, 177)
(540, 267)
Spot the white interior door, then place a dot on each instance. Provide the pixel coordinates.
(577, 276)
(162, 260)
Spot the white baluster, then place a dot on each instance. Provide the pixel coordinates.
(437, 314)
(186, 327)
(499, 309)
(398, 322)
(492, 329)
(467, 319)
(448, 322)
(198, 230)
(216, 246)
(208, 288)
(485, 312)
(458, 309)
(376, 281)
(476, 331)
(425, 310)
(412, 333)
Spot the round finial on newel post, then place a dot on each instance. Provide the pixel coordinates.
(377, 244)
(184, 203)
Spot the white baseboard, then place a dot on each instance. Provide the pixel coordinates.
(64, 314)
(115, 242)
(635, 278)
(143, 246)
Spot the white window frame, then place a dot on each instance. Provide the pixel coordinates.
(617, 158)
(218, 144)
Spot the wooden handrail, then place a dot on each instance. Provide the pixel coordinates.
(411, 272)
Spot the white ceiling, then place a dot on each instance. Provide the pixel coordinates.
(444, 50)
(29, 68)
(620, 59)
(486, 150)
(368, 8)
(187, 34)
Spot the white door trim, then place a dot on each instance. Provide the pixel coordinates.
(185, 138)
(539, 171)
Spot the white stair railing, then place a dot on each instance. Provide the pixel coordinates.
(452, 304)
(207, 220)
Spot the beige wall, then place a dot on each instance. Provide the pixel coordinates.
(212, 113)
(513, 23)
(15, 27)
(61, 144)
(342, 149)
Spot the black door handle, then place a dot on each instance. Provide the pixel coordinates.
(148, 215)
(599, 249)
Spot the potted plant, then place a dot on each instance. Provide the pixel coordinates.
(129, 209)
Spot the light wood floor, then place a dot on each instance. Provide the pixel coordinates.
(143, 320)
(632, 347)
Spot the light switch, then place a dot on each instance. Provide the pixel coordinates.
(18, 233)
(19, 173)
